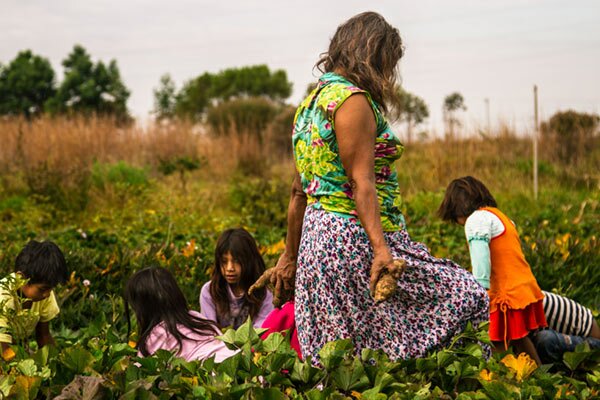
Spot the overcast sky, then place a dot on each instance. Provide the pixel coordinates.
(496, 49)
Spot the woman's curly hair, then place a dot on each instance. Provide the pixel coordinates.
(366, 50)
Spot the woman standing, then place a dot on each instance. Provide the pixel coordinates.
(345, 227)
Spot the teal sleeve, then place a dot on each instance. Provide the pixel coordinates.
(479, 248)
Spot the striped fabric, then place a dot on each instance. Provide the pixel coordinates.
(567, 316)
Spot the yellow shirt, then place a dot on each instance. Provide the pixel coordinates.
(41, 311)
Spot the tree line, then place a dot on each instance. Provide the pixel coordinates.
(28, 87)
(250, 97)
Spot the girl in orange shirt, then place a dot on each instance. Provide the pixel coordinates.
(516, 307)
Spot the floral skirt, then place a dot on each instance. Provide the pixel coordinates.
(434, 301)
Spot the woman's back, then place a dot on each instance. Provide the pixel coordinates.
(316, 152)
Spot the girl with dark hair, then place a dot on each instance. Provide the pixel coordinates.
(238, 264)
(516, 300)
(345, 227)
(165, 321)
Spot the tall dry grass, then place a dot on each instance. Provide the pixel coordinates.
(60, 151)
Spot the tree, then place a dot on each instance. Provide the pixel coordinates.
(253, 81)
(26, 83)
(164, 98)
(410, 109)
(571, 133)
(194, 97)
(453, 103)
(234, 83)
(90, 88)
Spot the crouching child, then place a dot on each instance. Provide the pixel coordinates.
(27, 301)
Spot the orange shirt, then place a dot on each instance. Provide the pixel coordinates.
(512, 284)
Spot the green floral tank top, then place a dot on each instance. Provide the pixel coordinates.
(318, 162)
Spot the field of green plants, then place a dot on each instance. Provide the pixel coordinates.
(112, 216)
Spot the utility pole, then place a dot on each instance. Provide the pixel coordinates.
(535, 143)
(487, 115)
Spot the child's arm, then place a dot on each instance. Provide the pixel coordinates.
(207, 305)
(479, 250)
(265, 310)
(43, 335)
(48, 310)
(479, 231)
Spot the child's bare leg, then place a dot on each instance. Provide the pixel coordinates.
(525, 345)
(498, 347)
(595, 332)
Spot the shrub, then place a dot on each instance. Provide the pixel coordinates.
(245, 114)
(120, 175)
(570, 134)
(262, 203)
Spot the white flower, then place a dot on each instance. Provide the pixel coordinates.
(92, 297)
(108, 97)
(86, 282)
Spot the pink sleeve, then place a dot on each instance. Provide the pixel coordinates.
(159, 339)
(211, 347)
(207, 305)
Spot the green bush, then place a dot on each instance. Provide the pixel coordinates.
(571, 134)
(118, 174)
(97, 362)
(262, 204)
(250, 115)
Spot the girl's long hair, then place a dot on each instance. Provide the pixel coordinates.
(464, 196)
(366, 50)
(242, 247)
(155, 297)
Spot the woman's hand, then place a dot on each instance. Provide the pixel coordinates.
(283, 279)
(382, 262)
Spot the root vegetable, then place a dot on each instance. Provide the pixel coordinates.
(263, 281)
(279, 296)
(387, 284)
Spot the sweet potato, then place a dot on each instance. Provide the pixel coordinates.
(263, 281)
(279, 297)
(387, 284)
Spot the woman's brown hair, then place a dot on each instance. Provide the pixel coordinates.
(464, 196)
(366, 50)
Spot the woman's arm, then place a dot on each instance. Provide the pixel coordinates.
(356, 131)
(284, 275)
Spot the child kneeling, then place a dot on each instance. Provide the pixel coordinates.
(238, 265)
(165, 321)
(43, 266)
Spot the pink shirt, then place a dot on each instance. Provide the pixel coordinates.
(282, 319)
(209, 308)
(197, 347)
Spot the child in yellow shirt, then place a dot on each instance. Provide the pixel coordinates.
(39, 268)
